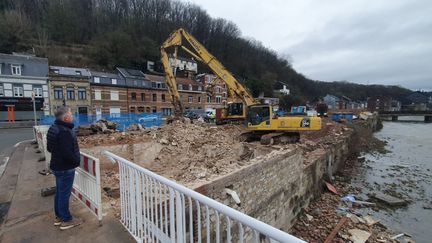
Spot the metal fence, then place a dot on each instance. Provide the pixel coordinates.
(123, 120)
(156, 209)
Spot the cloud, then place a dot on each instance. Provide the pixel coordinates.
(361, 41)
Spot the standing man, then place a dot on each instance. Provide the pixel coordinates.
(65, 157)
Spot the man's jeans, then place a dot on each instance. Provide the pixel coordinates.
(64, 182)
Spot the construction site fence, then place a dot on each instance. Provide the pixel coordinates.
(156, 209)
(123, 120)
(87, 186)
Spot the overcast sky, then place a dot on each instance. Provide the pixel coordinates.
(364, 41)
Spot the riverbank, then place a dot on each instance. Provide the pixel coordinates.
(395, 163)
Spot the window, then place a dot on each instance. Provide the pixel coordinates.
(159, 85)
(163, 86)
(98, 95)
(190, 99)
(135, 83)
(199, 88)
(132, 109)
(56, 71)
(142, 97)
(133, 96)
(154, 97)
(114, 95)
(16, 70)
(70, 92)
(154, 109)
(82, 95)
(58, 93)
(153, 84)
(163, 97)
(218, 99)
(140, 109)
(97, 80)
(190, 86)
(1, 90)
(208, 99)
(114, 81)
(18, 91)
(199, 99)
(166, 111)
(180, 87)
(78, 73)
(37, 92)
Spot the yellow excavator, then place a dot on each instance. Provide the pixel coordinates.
(259, 118)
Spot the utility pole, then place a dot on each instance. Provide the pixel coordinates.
(34, 108)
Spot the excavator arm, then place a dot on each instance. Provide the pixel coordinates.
(200, 53)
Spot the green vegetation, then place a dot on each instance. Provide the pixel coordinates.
(102, 34)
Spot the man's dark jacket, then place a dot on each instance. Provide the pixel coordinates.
(63, 146)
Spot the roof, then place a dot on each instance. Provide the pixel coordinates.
(104, 75)
(33, 66)
(156, 78)
(71, 71)
(131, 73)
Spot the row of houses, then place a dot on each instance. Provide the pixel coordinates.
(85, 91)
(416, 101)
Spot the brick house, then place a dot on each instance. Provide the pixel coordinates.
(217, 97)
(192, 94)
(108, 93)
(71, 87)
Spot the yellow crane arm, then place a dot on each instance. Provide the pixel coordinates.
(201, 54)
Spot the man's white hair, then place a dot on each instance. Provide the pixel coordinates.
(61, 111)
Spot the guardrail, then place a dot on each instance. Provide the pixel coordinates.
(87, 186)
(156, 209)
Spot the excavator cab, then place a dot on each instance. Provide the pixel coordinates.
(259, 116)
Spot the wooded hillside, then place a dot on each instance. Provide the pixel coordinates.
(102, 34)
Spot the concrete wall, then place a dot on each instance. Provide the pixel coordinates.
(275, 190)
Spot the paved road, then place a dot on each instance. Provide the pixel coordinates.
(8, 138)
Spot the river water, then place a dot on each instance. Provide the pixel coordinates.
(405, 171)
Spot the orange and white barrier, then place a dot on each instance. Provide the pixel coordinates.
(40, 136)
(87, 186)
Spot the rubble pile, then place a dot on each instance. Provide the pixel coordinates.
(100, 127)
(185, 152)
(321, 217)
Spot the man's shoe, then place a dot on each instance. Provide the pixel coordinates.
(57, 221)
(70, 224)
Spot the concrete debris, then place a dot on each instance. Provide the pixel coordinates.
(359, 236)
(100, 127)
(389, 200)
(370, 221)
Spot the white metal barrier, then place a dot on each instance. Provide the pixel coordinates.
(156, 209)
(87, 186)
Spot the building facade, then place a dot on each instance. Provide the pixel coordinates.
(21, 78)
(108, 93)
(217, 95)
(70, 87)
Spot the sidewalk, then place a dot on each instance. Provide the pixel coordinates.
(26, 216)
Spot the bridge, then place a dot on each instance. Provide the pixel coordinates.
(396, 114)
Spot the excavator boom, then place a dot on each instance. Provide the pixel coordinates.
(200, 53)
